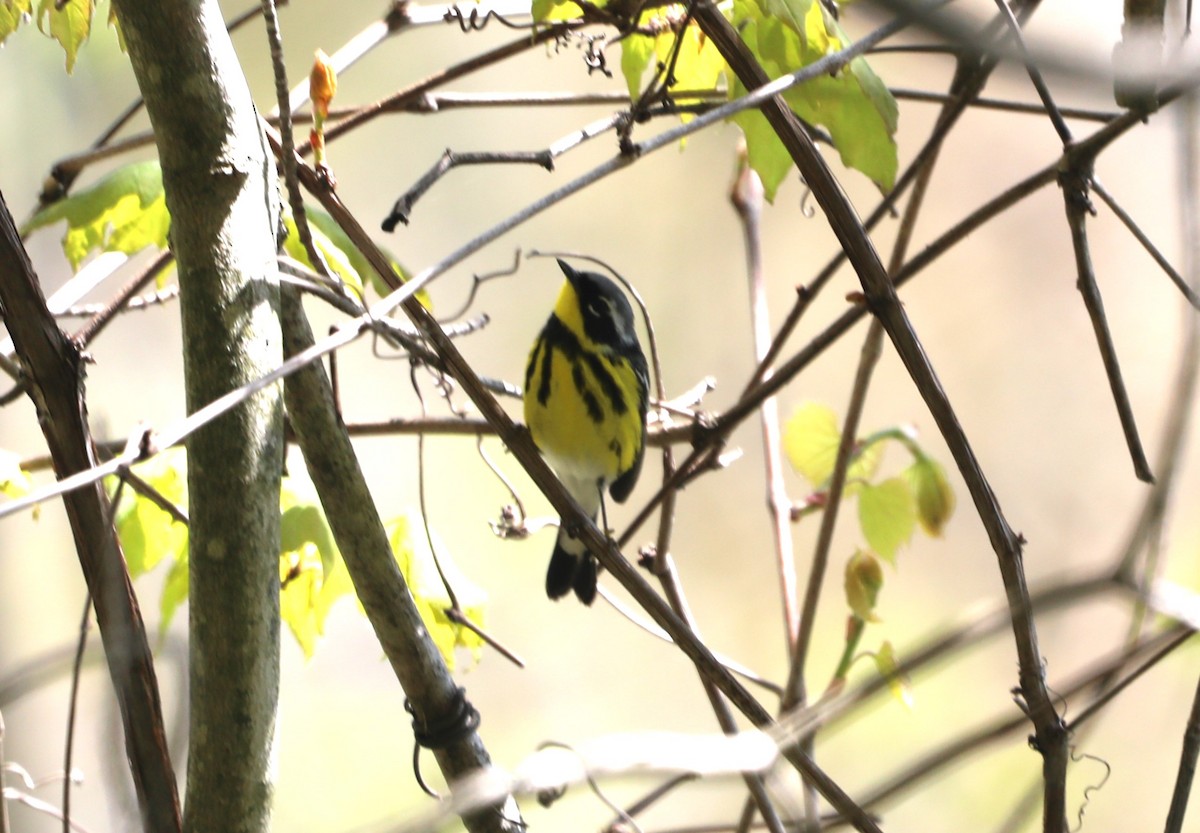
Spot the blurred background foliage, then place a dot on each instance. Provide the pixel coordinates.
(999, 316)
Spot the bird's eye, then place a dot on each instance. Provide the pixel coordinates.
(596, 310)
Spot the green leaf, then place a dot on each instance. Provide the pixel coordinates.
(148, 533)
(853, 105)
(898, 684)
(887, 515)
(336, 259)
(14, 480)
(70, 25)
(12, 14)
(123, 212)
(933, 493)
(303, 522)
(410, 545)
(549, 11)
(863, 581)
(312, 575)
(810, 439)
(301, 576)
(699, 65)
(116, 27)
(174, 592)
(764, 149)
(635, 57)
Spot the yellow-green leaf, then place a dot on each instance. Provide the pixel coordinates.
(764, 149)
(174, 592)
(116, 27)
(549, 11)
(69, 25)
(853, 104)
(300, 578)
(337, 260)
(123, 212)
(934, 495)
(635, 57)
(698, 66)
(887, 515)
(863, 581)
(811, 437)
(303, 523)
(343, 257)
(312, 575)
(14, 480)
(898, 684)
(410, 545)
(12, 14)
(148, 533)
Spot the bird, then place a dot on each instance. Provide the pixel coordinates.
(585, 400)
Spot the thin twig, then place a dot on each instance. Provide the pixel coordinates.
(101, 319)
(402, 209)
(1035, 75)
(288, 156)
(138, 484)
(947, 754)
(1187, 768)
(884, 303)
(4, 825)
(1188, 292)
(136, 303)
(454, 612)
(747, 199)
(673, 590)
(652, 797)
(1003, 105)
(437, 79)
(1180, 635)
(654, 630)
(1074, 183)
(73, 705)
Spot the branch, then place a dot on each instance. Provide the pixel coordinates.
(1153, 649)
(358, 530)
(449, 159)
(54, 369)
(1187, 768)
(1074, 183)
(437, 79)
(885, 305)
(523, 449)
(4, 825)
(1188, 292)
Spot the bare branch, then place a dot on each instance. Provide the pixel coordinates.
(53, 364)
(1075, 186)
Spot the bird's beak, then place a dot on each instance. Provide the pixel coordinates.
(571, 274)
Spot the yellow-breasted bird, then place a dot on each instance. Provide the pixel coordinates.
(586, 391)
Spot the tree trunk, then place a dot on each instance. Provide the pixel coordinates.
(220, 184)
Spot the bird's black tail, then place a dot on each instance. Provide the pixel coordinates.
(572, 567)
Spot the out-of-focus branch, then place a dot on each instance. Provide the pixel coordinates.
(747, 199)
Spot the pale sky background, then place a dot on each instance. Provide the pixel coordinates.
(1000, 319)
